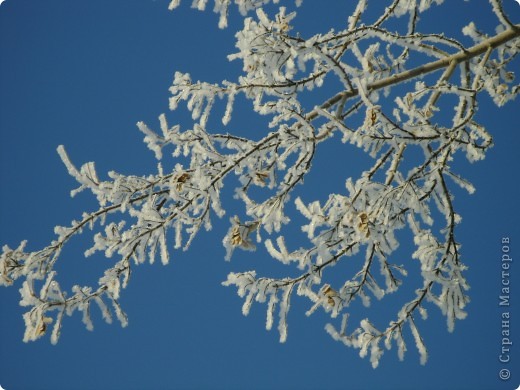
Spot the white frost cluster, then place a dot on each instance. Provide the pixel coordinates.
(221, 7)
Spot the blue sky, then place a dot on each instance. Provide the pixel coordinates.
(82, 74)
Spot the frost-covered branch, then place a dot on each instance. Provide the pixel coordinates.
(385, 90)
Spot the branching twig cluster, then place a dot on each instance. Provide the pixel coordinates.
(370, 65)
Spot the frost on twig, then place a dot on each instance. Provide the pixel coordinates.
(221, 7)
(379, 101)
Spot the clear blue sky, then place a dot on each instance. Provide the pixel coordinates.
(82, 73)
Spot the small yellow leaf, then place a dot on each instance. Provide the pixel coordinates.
(330, 293)
(236, 238)
(363, 224)
(180, 180)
